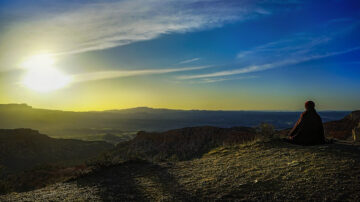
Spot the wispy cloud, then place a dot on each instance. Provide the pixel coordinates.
(96, 26)
(262, 67)
(102, 75)
(298, 48)
(189, 61)
(300, 44)
(213, 80)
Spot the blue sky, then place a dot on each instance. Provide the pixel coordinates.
(190, 54)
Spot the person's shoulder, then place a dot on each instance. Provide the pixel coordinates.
(304, 113)
(307, 114)
(312, 113)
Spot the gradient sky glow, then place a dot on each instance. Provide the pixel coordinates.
(185, 54)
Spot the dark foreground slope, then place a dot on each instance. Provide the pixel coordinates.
(271, 170)
(30, 160)
(22, 149)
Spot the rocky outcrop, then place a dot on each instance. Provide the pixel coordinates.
(342, 129)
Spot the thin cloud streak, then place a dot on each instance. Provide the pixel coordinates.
(189, 61)
(299, 45)
(294, 46)
(213, 80)
(299, 48)
(103, 75)
(263, 67)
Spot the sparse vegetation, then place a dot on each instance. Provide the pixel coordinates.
(265, 130)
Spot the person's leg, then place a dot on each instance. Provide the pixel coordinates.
(288, 140)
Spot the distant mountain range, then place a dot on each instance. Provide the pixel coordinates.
(126, 122)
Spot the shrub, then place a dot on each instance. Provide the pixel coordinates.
(266, 130)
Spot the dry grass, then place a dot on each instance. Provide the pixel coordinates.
(273, 171)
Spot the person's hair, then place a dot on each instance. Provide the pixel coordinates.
(309, 105)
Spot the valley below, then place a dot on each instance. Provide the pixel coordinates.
(114, 126)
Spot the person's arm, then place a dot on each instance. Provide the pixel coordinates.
(322, 129)
(298, 124)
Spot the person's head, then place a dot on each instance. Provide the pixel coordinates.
(309, 105)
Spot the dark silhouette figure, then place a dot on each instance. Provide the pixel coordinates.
(309, 129)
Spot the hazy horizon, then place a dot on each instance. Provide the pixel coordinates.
(179, 109)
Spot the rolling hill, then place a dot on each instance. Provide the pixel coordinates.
(31, 160)
(22, 149)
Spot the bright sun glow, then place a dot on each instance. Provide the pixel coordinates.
(41, 76)
(39, 61)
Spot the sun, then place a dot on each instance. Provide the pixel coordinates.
(45, 79)
(42, 76)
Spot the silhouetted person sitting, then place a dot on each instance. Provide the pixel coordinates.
(309, 129)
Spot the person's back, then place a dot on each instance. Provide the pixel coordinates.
(309, 128)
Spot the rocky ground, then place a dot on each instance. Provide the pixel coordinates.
(262, 170)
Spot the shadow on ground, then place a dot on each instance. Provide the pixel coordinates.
(136, 180)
